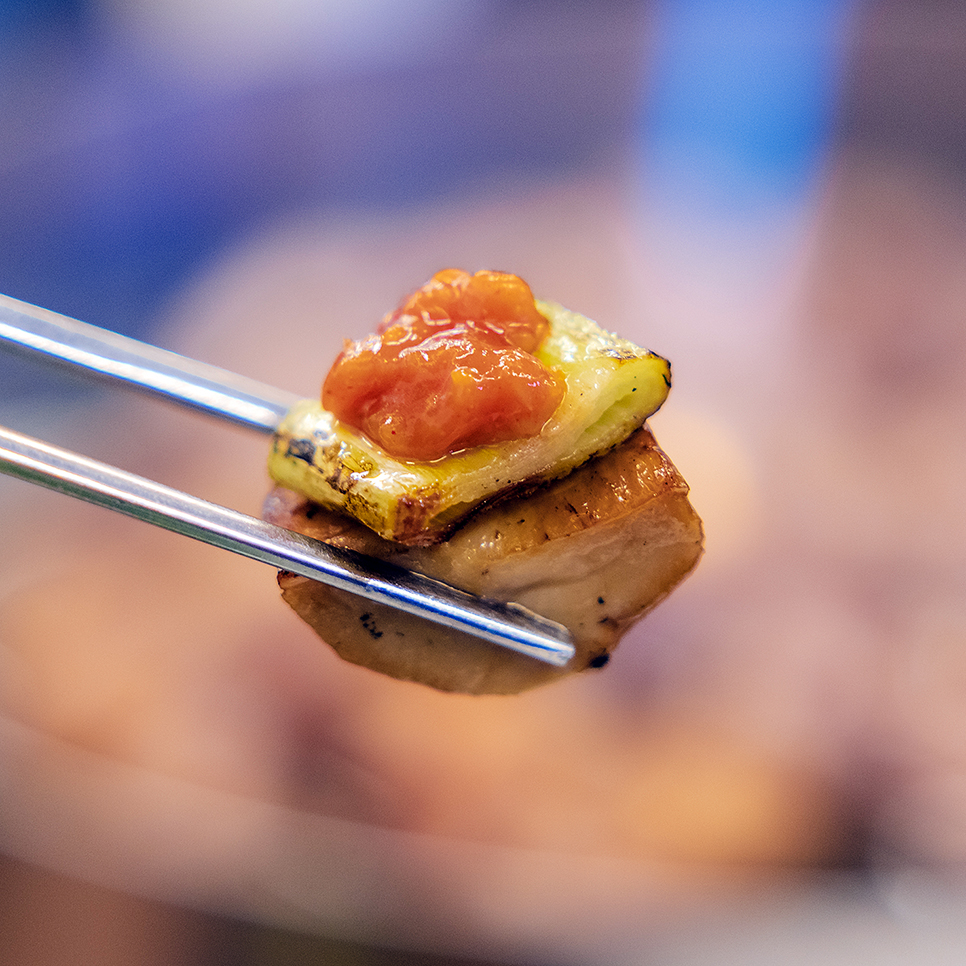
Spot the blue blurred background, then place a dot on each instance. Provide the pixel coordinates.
(141, 139)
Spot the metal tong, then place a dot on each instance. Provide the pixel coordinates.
(41, 333)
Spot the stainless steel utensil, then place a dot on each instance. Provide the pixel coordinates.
(45, 334)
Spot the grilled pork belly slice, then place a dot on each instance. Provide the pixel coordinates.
(594, 551)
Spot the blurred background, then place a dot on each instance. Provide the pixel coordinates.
(773, 767)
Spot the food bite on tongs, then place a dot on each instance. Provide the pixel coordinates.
(497, 443)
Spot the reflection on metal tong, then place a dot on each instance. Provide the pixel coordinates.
(39, 332)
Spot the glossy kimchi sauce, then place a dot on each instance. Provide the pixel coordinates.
(452, 367)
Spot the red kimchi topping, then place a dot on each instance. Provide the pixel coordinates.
(452, 367)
